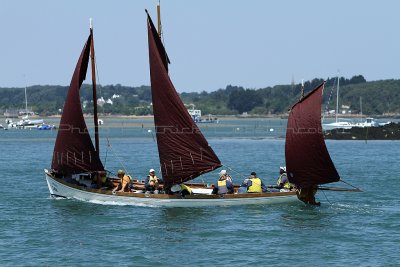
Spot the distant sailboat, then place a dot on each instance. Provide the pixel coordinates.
(369, 122)
(25, 122)
(184, 153)
(337, 124)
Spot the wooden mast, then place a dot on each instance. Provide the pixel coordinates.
(159, 19)
(302, 90)
(96, 122)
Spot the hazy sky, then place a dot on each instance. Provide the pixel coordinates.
(211, 43)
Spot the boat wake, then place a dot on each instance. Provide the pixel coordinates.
(361, 209)
(116, 203)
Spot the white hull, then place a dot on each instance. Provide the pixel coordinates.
(338, 125)
(369, 122)
(60, 189)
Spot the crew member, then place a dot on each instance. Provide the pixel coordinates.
(254, 184)
(283, 181)
(224, 185)
(124, 181)
(152, 182)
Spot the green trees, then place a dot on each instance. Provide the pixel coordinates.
(244, 100)
(378, 97)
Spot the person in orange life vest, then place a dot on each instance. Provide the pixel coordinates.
(224, 184)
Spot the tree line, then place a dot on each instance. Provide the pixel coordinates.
(378, 97)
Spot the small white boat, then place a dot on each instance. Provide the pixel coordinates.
(338, 125)
(25, 122)
(369, 122)
(197, 118)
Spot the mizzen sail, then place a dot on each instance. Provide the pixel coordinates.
(183, 150)
(74, 151)
(307, 159)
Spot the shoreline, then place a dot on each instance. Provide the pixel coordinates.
(229, 117)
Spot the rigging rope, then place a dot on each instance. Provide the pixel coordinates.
(329, 100)
(326, 198)
(350, 184)
(241, 174)
(98, 82)
(118, 159)
(108, 145)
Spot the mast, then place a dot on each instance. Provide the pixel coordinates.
(302, 89)
(337, 97)
(183, 150)
(96, 122)
(74, 151)
(159, 19)
(26, 104)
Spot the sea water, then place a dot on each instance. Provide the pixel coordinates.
(359, 229)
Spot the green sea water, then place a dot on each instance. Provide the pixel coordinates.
(360, 229)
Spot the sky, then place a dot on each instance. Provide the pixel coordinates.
(211, 43)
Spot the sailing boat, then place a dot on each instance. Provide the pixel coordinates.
(183, 151)
(337, 124)
(26, 122)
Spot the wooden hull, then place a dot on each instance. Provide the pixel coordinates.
(60, 188)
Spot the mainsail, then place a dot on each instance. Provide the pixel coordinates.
(183, 150)
(307, 159)
(74, 151)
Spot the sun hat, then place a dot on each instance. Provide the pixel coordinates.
(222, 172)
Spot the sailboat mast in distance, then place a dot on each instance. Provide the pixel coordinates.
(96, 122)
(337, 97)
(26, 103)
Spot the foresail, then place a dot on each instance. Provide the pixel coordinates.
(183, 150)
(74, 151)
(307, 159)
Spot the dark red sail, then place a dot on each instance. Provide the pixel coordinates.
(74, 151)
(307, 159)
(183, 150)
